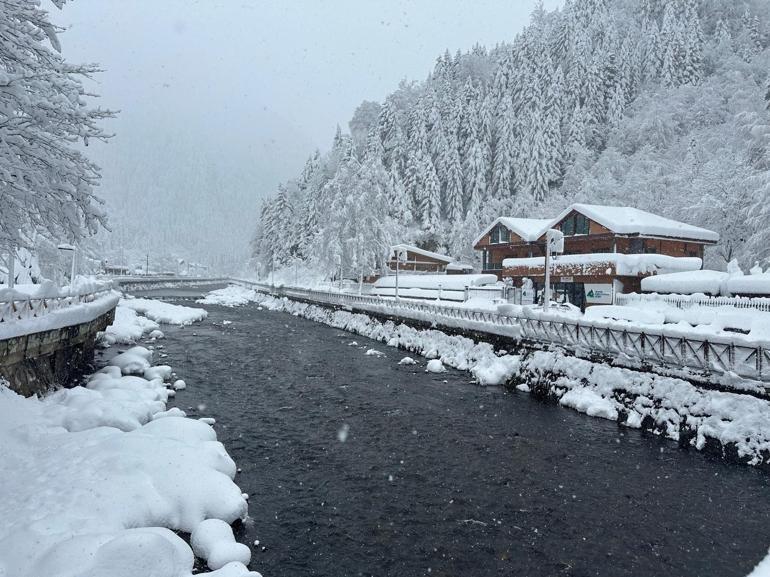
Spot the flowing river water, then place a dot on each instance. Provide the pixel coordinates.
(356, 465)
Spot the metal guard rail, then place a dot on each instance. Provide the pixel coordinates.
(685, 302)
(19, 309)
(707, 356)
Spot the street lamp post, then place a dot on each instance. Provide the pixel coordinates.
(554, 242)
(69, 248)
(400, 256)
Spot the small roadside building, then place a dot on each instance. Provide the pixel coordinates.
(418, 260)
(607, 249)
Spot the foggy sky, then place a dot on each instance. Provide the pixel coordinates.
(254, 86)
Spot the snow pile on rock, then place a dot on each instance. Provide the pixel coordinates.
(213, 540)
(95, 482)
(670, 406)
(127, 328)
(165, 313)
(232, 296)
(435, 366)
(134, 361)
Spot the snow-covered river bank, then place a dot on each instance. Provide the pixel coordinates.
(359, 464)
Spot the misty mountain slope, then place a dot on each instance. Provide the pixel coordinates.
(171, 194)
(659, 105)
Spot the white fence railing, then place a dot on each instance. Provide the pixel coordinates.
(712, 356)
(689, 301)
(19, 308)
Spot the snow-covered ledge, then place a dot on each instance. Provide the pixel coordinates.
(38, 352)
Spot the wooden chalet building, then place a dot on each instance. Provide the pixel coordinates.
(419, 260)
(607, 249)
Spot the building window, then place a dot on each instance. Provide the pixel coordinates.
(574, 225)
(636, 246)
(499, 235)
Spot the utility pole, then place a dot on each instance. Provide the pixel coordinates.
(147, 266)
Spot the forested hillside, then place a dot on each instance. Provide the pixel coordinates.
(658, 104)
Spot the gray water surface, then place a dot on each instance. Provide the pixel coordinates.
(441, 477)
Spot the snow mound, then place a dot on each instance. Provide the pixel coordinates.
(213, 540)
(435, 366)
(100, 477)
(232, 296)
(162, 372)
(407, 361)
(589, 402)
(134, 361)
(119, 478)
(127, 328)
(374, 353)
(165, 313)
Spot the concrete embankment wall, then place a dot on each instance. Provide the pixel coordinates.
(37, 362)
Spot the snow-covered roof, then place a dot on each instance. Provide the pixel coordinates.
(459, 266)
(528, 229)
(433, 281)
(629, 220)
(625, 264)
(689, 282)
(422, 252)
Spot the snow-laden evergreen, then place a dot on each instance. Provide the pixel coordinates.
(659, 105)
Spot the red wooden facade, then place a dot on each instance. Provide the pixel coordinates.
(582, 236)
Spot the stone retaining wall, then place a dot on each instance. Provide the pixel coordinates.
(38, 362)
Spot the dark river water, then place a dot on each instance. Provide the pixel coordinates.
(440, 477)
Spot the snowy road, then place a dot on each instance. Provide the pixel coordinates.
(447, 478)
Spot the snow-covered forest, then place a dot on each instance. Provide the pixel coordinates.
(658, 104)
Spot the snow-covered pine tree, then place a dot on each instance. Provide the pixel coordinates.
(46, 183)
(537, 166)
(503, 165)
(430, 206)
(693, 44)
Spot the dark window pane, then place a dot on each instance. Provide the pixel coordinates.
(568, 227)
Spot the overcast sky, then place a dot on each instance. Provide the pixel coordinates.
(253, 86)
(259, 72)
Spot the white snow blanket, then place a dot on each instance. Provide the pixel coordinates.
(750, 284)
(418, 293)
(128, 327)
(232, 296)
(59, 318)
(96, 478)
(163, 312)
(632, 314)
(93, 479)
(625, 264)
(433, 281)
(688, 282)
